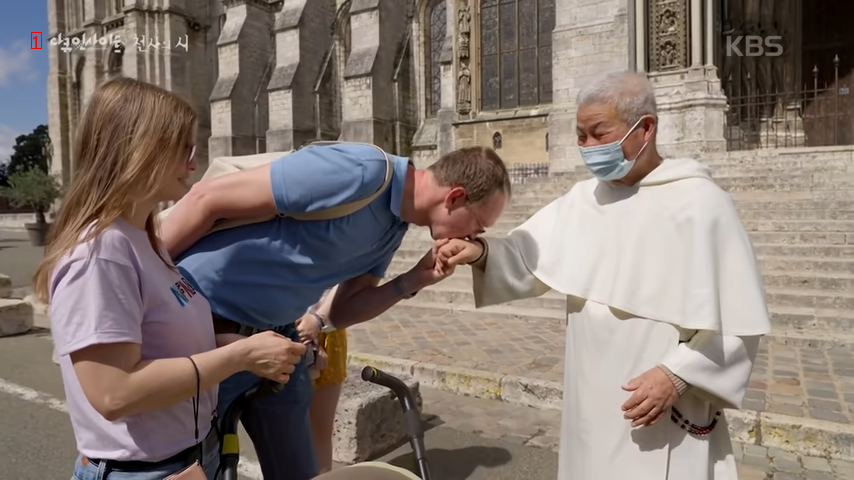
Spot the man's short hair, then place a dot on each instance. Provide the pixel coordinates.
(477, 169)
(630, 93)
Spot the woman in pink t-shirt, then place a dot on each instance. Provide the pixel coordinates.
(136, 345)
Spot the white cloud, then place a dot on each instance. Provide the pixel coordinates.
(16, 62)
(7, 141)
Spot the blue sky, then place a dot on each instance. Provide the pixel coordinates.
(23, 71)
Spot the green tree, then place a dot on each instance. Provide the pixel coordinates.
(33, 188)
(4, 174)
(32, 150)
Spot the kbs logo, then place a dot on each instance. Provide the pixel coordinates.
(36, 40)
(754, 46)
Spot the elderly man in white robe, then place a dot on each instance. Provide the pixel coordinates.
(666, 302)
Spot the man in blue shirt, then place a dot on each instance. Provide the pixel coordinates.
(265, 275)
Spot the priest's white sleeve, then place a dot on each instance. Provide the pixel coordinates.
(504, 277)
(717, 367)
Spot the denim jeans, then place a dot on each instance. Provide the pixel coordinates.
(278, 424)
(98, 472)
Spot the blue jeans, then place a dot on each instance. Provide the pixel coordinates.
(98, 472)
(278, 424)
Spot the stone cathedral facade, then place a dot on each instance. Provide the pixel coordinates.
(422, 77)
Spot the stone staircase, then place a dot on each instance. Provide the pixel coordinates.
(797, 206)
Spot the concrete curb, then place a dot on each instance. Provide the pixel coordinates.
(802, 436)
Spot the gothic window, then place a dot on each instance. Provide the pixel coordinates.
(516, 53)
(435, 31)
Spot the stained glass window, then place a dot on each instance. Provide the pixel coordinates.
(516, 53)
(436, 31)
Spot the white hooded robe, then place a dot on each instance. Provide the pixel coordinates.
(660, 273)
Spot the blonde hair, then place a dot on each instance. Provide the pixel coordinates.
(130, 138)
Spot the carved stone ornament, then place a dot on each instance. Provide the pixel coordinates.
(465, 49)
(668, 39)
(463, 55)
(464, 19)
(464, 91)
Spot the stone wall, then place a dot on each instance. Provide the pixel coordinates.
(523, 140)
(591, 37)
(374, 76)
(425, 157)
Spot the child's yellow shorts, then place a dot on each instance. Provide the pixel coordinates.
(335, 344)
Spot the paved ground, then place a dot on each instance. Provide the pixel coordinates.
(467, 438)
(798, 381)
(18, 259)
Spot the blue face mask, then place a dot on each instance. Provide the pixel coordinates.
(607, 162)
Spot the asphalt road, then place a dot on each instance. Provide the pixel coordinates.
(37, 443)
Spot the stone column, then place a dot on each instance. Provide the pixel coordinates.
(133, 60)
(451, 49)
(57, 93)
(238, 106)
(176, 34)
(93, 73)
(710, 33)
(302, 39)
(435, 134)
(697, 40)
(591, 37)
(691, 104)
(377, 28)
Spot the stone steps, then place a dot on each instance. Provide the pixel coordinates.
(790, 326)
(795, 182)
(807, 225)
(520, 213)
(807, 264)
(790, 157)
(815, 304)
(833, 283)
(776, 202)
(803, 257)
(727, 170)
(803, 250)
(814, 237)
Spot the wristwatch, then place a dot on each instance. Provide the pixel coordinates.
(397, 284)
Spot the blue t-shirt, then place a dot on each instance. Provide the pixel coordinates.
(267, 274)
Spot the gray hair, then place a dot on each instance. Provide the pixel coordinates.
(630, 93)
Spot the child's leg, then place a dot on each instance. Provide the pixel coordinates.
(327, 391)
(322, 413)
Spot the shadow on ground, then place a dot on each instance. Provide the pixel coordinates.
(457, 464)
(18, 258)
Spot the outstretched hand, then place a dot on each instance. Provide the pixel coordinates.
(453, 252)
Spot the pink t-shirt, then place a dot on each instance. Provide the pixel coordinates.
(116, 289)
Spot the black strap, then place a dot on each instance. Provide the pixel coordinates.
(196, 398)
